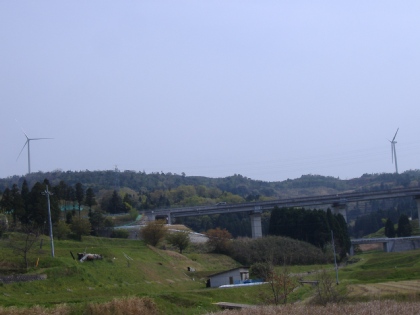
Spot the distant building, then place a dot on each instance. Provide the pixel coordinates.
(232, 276)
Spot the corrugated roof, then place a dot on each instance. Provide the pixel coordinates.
(226, 271)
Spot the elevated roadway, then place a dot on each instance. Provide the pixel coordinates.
(337, 202)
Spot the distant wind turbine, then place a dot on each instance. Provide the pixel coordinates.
(27, 142)
(394, 152)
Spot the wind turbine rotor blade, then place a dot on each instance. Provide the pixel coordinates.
(40, 138)
(22, 130)
(22, 149)
(395, 134)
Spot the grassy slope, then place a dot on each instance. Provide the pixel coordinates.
(380, 266)
(159, 274)
(162, 275)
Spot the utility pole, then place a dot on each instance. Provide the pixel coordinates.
(47, 193)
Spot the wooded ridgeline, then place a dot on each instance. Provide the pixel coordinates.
(121, 192)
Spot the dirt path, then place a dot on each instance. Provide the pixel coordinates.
(385, 288)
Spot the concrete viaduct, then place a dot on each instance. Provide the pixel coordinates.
(337, 202)
(389, 244)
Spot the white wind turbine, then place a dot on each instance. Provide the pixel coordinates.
(27, 142)
(394, 152)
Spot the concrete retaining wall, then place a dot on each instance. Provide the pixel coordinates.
(21, 278)
(402, 246)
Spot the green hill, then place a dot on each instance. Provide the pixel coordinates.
(128, 268)
(237, 184)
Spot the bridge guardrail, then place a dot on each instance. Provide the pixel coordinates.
(337, 199)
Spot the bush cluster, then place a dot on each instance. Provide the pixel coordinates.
(277, 250)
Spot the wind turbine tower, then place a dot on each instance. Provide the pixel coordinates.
(394, 152)
(28, 142)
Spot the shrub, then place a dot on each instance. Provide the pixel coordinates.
(260, 270)
(179, 239)
(79, 227)
(153, 232)
(62, 230)
(119, 233)
(219, 240)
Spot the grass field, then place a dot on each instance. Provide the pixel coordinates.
(132, 269)
(129, 268)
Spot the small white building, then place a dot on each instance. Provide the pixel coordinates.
(232, 276)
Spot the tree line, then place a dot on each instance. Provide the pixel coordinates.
(312, 226)
(28, 209)
(159, 190)
(235, 184)
(373, 222)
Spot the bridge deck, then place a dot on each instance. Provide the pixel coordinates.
(336, 200)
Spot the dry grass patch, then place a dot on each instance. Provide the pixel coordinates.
(36, 310)
(175, 255)
(366, 308)
(385, 288)
(125, 306)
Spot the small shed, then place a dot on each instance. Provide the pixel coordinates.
(232, 276)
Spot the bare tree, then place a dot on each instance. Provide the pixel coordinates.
(281, 282)
(22, 243)
(219, 240)
(327, 289)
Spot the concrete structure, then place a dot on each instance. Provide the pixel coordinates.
(233, 306)
(337, 202)
(255, 217)
(232, 276)
(398, 244)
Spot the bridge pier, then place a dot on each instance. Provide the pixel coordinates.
(151, 216)
(256, 227)
(387, 246)
(341, 209)
(351, 251)
(417, 198)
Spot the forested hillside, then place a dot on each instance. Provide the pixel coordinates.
(119, 192)
(306, 185)
(236, 184)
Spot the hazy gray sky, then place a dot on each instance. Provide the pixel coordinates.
(267, 89)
